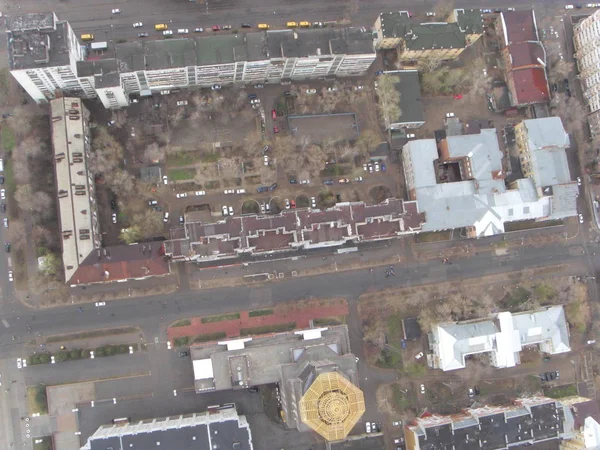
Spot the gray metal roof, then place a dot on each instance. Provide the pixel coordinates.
(469, 20)
(315, 42)
(104, 71)
(434, 35)
(394, 24)
(409, 88)
(546, 132)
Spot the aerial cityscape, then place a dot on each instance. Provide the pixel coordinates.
(310, 225)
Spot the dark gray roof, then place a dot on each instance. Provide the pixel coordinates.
(104, 71)
(434, 36)
(394, 24)
(410, 97)
(31, 22)
(313, 42)
(469, 20)
(48, 47)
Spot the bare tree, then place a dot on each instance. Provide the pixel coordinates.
(154, 153)
(17, 234)
(388, 98)
(120, 181)
(351, 9)
(443, 9)
(34, 201)
(104, 142)
(100, 162)
(429, 63)
(31, 147)
(120, 117)
(21, 170)
(44, 237)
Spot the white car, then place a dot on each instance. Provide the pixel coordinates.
(240, 191)
(450, 114)
(578, 181)
(419, 355)
(175, 392)
(266, 160)
(168, 33)
(358, 179)
(313, 202)
(25, 365)
(225, 210)
(183, 31)
(198, 30)
(231, 210)
(255, 101)
(580, 218)
(99, 304)
(138, 25)
(287, 204)
(116, 11)
(2, 194)
(410, 136)
(591, 341)
(216, 87)
(229, 191)
(397, 423)
(358, 88)
(304, 181)
(131, 349)
(430, 14)
(182, 103)
(332, 89)
(92, 355)
(165, 92)
(181, 195)
(376, 167)
(166, 217)
(569, 6)
(199, 193)
(422, 389)
(114, 217)
(52, 360)
(263, 208)
(368, 427)
(10, 275)
(365, 167)
(19, 363)
(165, 179)
(311, 91)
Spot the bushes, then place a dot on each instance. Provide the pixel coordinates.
(221, 318)
(260, 312)
(109, 350)
(210, 336)
(80, 353)
(181, 341)
(277, 328)
(39, 358)
(182, 323)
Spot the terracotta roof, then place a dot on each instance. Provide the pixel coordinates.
(122, 262)
(524, 54)
(531, 85)
(520, 26)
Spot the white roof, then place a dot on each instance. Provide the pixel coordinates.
(203, 369)
(503, 336)
(591, 433)
(545, 133)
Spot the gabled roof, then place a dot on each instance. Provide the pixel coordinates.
(524, 54)
(530, 86)
(519, 26)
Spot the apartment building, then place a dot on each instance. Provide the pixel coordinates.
(77, 207)
(44, 61)
(441, 40)
(586, 35)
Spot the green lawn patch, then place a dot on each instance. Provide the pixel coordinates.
(182, 323)
(332, 320)
(109, 350)
(181, 174)
(415, 370)
(210, 157)
(400, 400)
(181, 341)
(8, 138)
(38, 358)
(389, 359)
(516, 297)
(42, 443)
(260, 312)
(221, 318)
(91, 334)
(531, 224)
(210, 336)
(566, 390)
(277, 328)
(37, 401)
(181, 159)
(395, 328)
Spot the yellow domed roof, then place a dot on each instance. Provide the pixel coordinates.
(332, 406)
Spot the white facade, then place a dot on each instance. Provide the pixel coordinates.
(587, 52)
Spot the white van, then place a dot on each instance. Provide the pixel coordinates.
(1, 165)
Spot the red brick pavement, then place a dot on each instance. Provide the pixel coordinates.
(301, 316)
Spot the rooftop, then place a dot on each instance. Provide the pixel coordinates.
(531, 85)
(469, 20)
(503, 336)
(395, 24)
(104, 71)
(31, 22)
(547, 132)
(217, 428)
(524, 54)
(33, 48)
(519, 26)
(410, 97)
(434, 35)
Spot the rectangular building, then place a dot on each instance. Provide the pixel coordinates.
(409, 88)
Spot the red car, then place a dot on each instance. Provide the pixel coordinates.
(216, 28)
(274, 114)
(293, 204)
(457, 96)
(275, 129)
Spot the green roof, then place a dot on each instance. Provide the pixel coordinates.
(395, 24)
(469, 20)
(434, 35)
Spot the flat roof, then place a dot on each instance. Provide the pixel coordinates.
(44, 21)
(394, 24)
(301, 43)
(104, 71)
(76, 201)
(470, 20)
(411, 105)
(38, 48)
(435, 35)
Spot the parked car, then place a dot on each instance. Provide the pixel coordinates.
(229, 191)
(275, 129)
(2, 194)
(7, 247)
(580, 218)
(181, 195)
(5, 221)
(430, 14)
(422, 389)
(199, 193)
(305, 182)
(332, 89)
(272, 187)
(240, 191)
(251, 96)
(114, 217)
(263, 208)
(168, 33)
(287, 204)
(358, 179)
(578, 181)
(116, 11)
(3, 207)
(293, 204)
(216, 87)
(293, 181)
(246, 25)
(182, 103)
(231, 210)
(183, 31)
(166, 217)
(328, 182)
(226, 27)
(450, 114)
(262, 189)
(183, 354)
(274, 114)
(358, 88)
(266, 148)
(313, 202)
(259, 86)
(152, 202)
(368, 427)
(343, 180)
(471, 392)
(216, 28)
(99, 304)
(224, 210)
(310, 92)
(138, 25)
(266, 160)
(198, 30)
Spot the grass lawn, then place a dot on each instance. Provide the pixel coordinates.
(333, 320)
(221, 318)
(182, 323)
(566, 390)
(531, 224)
(37, 402)
(210, 336)
(181, 159)
(181, 174)
(8, 138)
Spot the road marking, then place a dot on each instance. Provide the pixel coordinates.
(5, 323)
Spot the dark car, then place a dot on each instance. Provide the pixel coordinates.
(7, 247)
(566, 81)
(1, 179)
(543, 377)
(293, 181)
(3, 207)
(246, 25)
(554, 87)
(273, 187)
(253, 390)
(183, 354)
(551, 375)
(6, 115)
(251, 96)
(476, 389)
(328, 182)
(262, 189)
(113, 205)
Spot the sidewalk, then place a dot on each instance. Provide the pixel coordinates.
(302, 315)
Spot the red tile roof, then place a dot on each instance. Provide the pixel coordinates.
(122, 262)
(520, 26)
(530, 86)
(524, 54)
